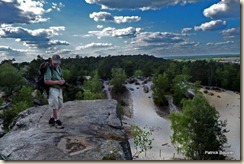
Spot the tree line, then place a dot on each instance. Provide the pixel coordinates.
(209, 73)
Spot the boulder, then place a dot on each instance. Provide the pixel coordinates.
(93, 131)
(1, 130)
(145, 88)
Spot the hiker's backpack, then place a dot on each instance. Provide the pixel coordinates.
(40, 84)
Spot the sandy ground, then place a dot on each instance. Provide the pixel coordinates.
(145, 116)
(227, 103)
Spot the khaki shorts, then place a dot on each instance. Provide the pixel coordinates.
(55, 99)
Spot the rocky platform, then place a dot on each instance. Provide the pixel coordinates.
(93, 131)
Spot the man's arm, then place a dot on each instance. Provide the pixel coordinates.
(48, 78)
(54, 82)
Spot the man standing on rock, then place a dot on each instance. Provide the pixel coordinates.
(53, 77)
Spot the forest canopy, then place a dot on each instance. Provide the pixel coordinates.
(208, 72)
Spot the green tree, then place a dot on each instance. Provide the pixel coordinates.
(118, 79)
(186, 70)
(198, 130)
(92, 88)
(180, 86)
(228, 76)
(10, 77)
(173, 70)
(138, 73)
(66, 75)
(160, 86)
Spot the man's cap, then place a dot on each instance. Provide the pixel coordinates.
(56, 59)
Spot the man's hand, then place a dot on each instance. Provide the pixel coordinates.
(61, 82)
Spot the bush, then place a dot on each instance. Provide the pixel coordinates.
(22, 100)
(142, 140)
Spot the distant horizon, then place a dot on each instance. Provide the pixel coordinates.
(204, 55)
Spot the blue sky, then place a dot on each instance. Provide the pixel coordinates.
(116, 27)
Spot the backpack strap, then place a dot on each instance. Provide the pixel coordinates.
(51, 69)
(60, 70)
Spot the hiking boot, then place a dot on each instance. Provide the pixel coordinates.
(51, 121)
(59, 124)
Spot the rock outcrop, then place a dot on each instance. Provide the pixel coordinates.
(93, 131)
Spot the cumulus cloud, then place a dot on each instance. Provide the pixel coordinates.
(113, 32)
(101, 16)
(126, 19)
(39, 38)
(220, 43)
(10, 50)
(21, 11)
(211, 26)
(7, 52)
(57, 43)
(107, 17)
(158, 37)
(185, 30)
(231, 33)
(96, 49)
(138, 4)
(163, 42)
(223, 9)
(94, 45)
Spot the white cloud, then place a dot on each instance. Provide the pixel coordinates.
(107, 17)
(99, 26)
(126, 19)
(21, 11)
(101, 16)
(9, 49)
(211, 26)
(158, 38)
(57, 6)
(113, 32)
(138, 4)
(185, 30)
(231, 33)
(96, 49)
(223, 9)
(163, 43)
(7, 52)
(187, 44)
(220, 43)
(61, 52)
(40, 38)
(94, 45)
(57, 42)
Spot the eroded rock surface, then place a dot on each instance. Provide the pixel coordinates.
(93, 131)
